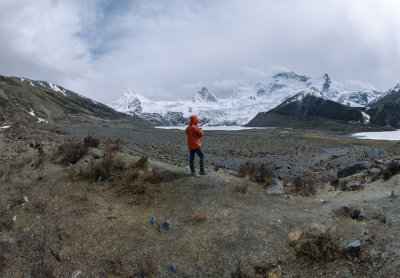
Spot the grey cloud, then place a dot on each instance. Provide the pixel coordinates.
(164, 49)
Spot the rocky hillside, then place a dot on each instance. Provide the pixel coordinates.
(385, 111)
(27, 100)
(310, 109)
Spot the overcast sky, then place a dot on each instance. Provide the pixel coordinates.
(169, 49)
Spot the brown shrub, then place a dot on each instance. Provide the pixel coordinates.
(154, 177)
(114, 146)
(305, 185)
(101, 170)
(71, 152)
(143, 162)
(318, 246)
(41, 157)
(197, 216)
(335, 184)
(239, 272)
(91, 142)
(120, 164)
(241, 188)
(257, 171)
(147, 268)
(392, 169)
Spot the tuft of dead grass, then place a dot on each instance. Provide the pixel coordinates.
(241, 188)
(197, 216)
(71, 152)
(143, 162)
(305, 185)
(257, 171)
(91, 142)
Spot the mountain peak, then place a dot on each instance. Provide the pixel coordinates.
(291, 75)
(327, 83)
(128, 101)
(203, 95)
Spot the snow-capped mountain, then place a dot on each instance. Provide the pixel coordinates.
(244, 103)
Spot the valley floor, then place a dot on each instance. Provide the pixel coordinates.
(61, 221)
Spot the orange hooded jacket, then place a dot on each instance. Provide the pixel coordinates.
(194, 133)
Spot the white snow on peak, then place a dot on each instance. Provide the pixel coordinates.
(57, 89)
(203, 95)
(246, 101)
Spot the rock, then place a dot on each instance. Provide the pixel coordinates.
(323, 201)
(352, 186)
(346, 208)
(57, 161)
(353, 247)
(76, 273)
(152, 220)
(6, 237)
(172, 267)
(354, 168)
(164, 226)
(387, 162)
(276, 189)
(96, 153)
(361, 214)
(110, 207)
(364, 232)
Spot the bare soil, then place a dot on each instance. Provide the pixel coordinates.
(59, 221)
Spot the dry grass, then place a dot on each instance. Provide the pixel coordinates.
(305, 185)
(197, 216)
(101, 170)
(257, 171)
(320, 246)
(241, 188)
(392, 169)
(71, 153)
(239, 272)
(143, 162)
(91, 142)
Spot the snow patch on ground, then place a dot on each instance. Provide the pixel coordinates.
(382, 135)
(6, 126)
(366, 117)
(39, 120)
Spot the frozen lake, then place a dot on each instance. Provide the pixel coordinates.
(214, 127)
(381, 135)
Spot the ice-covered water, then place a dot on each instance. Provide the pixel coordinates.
(213, 127)
(381, 135)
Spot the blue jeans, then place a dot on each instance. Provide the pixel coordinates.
(200, 153)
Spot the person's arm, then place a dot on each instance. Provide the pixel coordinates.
(199, 132)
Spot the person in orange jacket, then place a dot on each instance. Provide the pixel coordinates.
(194, 133)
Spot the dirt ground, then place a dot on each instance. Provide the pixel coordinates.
(58, 221)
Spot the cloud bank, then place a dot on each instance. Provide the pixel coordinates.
(168, 49)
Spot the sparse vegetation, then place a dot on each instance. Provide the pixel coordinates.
(318, 245)
(239, 272)
(102, 170)
(91, 142)
(392, 169)
(257, 171)
(71, 152)
(305, 185)
(143, 162)
(241, 188)
(197, 216)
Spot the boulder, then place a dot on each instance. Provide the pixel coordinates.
(96, 153)
(352, 186)
(353, 247)
(354, 168)
(276, 189)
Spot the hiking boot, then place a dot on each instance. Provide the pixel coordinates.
(203, 173)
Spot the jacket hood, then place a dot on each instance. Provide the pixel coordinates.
(194, 119)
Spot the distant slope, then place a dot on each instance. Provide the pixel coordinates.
(385, 111)
(309, 109)
(27, 100)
